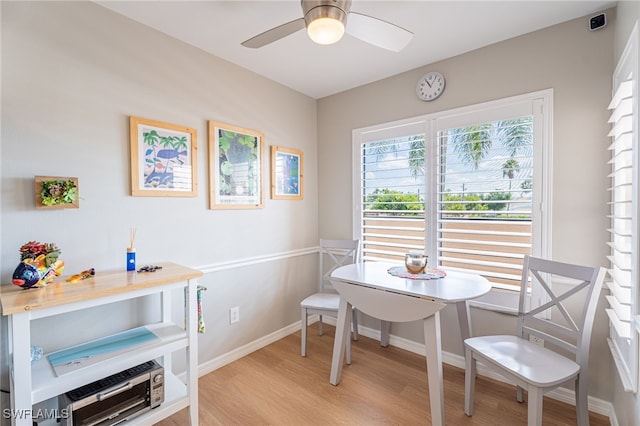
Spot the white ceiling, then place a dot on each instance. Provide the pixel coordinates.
(442, 29)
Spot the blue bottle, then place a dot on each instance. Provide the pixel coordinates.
(131, 259)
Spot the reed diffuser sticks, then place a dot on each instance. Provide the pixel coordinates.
(132, 237)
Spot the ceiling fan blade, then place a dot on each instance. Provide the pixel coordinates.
(378, 32)
(275, 34)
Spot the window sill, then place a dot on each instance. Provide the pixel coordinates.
(497, 300)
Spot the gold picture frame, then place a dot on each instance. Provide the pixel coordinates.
(163, 159)
(287, 173)
(235, 167)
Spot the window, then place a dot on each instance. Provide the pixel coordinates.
(623, 272)
(391, 191)
(484, 199)
(467, 186)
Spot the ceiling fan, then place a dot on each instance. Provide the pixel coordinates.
(327, 20)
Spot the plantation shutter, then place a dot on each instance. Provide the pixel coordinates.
(624, 228)
(622, 165)
(391, 198)
(484, 198)
(623, 283)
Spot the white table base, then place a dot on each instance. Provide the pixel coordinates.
(394, 307)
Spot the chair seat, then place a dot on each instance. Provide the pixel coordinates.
(326, 301)
(524, 359)
(322, 301)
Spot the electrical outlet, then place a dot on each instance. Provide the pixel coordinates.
(538, 341)
(234, 315)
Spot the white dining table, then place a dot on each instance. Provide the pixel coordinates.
(374, 291)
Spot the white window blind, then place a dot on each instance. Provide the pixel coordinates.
(623, 310)
(621, 176)
(623, 242)
(484, 198)
(391, 194)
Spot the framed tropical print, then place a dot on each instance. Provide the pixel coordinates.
(163, 159)
(235, 167)
(286, 174)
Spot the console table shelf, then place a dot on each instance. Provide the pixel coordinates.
(31, 384)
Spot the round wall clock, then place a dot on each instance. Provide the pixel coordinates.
(430, 86)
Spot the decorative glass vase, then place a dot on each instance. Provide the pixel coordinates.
(415, 262)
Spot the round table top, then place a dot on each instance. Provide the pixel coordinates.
(455, 287)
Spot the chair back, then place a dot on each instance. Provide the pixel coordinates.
(557, 326)
(333, 254)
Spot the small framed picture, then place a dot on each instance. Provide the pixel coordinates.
(235, 167)
(57, 192)
(163, 159)
(287, 176)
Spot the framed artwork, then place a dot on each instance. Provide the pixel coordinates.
(286, 174)
(163, 159)
(56, 192)
(235, 167)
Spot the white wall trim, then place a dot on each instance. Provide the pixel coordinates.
(243, 262)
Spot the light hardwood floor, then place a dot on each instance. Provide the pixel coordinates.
(383, 386)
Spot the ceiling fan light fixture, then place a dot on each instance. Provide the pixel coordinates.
(325, 19)
(325, 30)
(326, 22)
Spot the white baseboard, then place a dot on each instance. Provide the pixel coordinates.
(236, 354)
(561, 394)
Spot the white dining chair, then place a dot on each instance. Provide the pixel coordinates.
(327, 300)
(533, 367)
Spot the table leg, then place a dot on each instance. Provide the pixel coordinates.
(385, 330)
(20, 356)
(342, 330)
(434, 368)
(463, 321)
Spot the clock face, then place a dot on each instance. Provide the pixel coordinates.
(430, 86)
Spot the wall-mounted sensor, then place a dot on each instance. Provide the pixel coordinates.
(597, 22)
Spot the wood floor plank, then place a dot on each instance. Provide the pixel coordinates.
(383, 386)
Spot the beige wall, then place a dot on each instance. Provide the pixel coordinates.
(577, 64)
(72, 74)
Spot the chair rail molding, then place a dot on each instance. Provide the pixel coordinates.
(254, 260)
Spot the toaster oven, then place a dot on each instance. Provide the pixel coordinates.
(115, 399)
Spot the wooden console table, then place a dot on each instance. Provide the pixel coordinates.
(32, 384)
